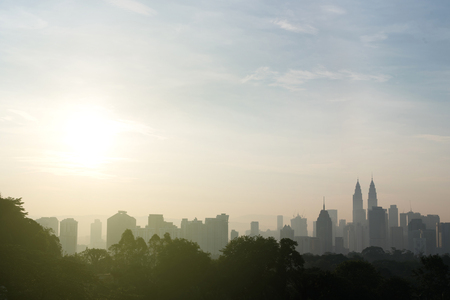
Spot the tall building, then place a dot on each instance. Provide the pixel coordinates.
(372, 200)
(359, 214)
(396, 238)
(324, 230)
(50, 223)
(216, 234)
(254, 228)
(377, 227)
(287, 233)
(333, 213)
(68, 236)
(393, 216)
(96, 235)
(279, 222)
(116, 226)
(194, 231)
(443, 237)
(234, 234)
(299, 225)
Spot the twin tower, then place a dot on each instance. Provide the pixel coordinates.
(359, 213)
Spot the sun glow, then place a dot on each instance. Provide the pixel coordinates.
(90, 136)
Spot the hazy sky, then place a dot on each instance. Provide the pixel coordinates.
(194, 108)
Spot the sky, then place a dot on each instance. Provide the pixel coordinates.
(196, 108)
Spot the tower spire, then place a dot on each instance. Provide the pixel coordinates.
(323, 202)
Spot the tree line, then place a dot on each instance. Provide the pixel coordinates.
(32, 267)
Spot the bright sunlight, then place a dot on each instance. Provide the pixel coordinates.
(90, 135)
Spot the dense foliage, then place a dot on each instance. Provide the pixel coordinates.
(32, 267)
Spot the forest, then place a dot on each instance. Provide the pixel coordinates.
(32, 267)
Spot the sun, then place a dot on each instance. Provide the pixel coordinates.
(90, 136)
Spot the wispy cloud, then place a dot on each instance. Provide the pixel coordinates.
(133, 6)
(284, 24)
(260, 74)
(294, 79)
(333, 9)
(434, 138)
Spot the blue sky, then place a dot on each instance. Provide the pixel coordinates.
(193, 108)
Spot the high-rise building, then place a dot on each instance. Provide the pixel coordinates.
(68, 236)
(279, 222)
(333, 213)
(372, 200)
(287, 233)
(377, 227)
(393, 216)
(443, 237)
(234, 234)
(116, 226)
(300, 226)
(216, 234)
(396, 238)
(50, 223)
(324, 230)
(96, 235)
(359, 214)
(254, 228)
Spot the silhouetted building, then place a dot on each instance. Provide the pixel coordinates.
(359, 214)
(157, 225)
(377, 227)
(234, 234)
(68, 236)
(50, 223)
(324, 230)
(287, 233)
(96, 235)
(300, 226)
(372, 201)
(396, 238)
(216, 234)
(333, 213)
(194, 231)
(254, 228)
(116, 226)
(415, 228)
(341, 227)
(393, 216)
(212, 236)
(279, 222)
(339, 245)
(443, 237)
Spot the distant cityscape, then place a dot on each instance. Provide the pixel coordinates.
(373, 226)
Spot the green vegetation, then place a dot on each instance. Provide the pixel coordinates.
(32, 267)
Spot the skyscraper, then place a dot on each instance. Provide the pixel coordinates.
(324, 230)
(96, 234)
(287, 233)
(68, 236)
(393, 216)
(216, 234)
(254, 228)
(116, 225)
(377, 227)
(50, 223)
(359, 214)
(299, 225)
(279, 222)
(372, 200)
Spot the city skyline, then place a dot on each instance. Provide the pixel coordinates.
(246, 108)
